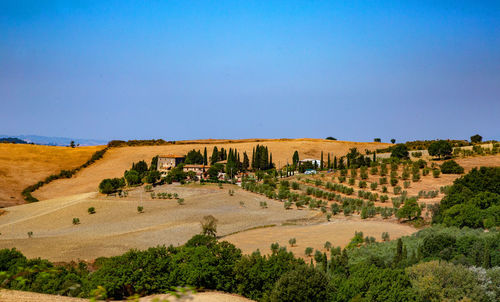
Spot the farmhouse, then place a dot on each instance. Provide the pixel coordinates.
(316, 162)
(198, 169)
(167, 162)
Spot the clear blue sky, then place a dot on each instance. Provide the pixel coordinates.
(354, 70)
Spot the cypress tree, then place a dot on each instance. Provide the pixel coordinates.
(399, 252)
(205, 158)
(270, 161)
(335, 162)
(329, 165)
(215, 156)
(374, 156)
(295, 158)
(253, 158)
(246, 162)
(321, 165)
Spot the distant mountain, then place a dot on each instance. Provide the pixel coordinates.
(14, 140)
(56, 141)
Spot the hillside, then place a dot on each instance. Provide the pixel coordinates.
(22, 165)
(117, 160)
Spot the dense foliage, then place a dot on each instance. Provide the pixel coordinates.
(436, 264)
(451, 167)
(424, 145)
(400, 151)
(402, 270)
(473, 200)
(12, 140)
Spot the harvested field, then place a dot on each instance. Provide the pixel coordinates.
(117, 227)
(22, 165)
(117, 160)
(339, 232)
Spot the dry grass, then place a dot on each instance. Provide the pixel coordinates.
(117, 160)
(117, 227)
(23, 165)
(339, 232)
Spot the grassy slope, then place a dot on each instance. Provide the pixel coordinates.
(22, 165)
(117, 160)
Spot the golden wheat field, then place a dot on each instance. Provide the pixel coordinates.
(117, 160)
(22, 165)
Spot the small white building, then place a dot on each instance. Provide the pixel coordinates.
(312, 161)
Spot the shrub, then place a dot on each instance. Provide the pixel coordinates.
(111, 185)
(292, 241)
(385, 236)
(400, 151)
(416, 154)
(397, 190)
(91, 210)
(394, 181)
(76, 221)
(382, 180)
(373, 186)
(362, 184)
(415, 177)
(140, 209)
(451, 167)
(436, 173)
(410, 209)
(384, 189)
(308, 251)
(352, 181)
(406, 184)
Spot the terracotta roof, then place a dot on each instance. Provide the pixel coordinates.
(171, 156)
(197, 166)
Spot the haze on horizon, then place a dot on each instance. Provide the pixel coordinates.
(246, 69)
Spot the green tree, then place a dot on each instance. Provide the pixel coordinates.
(475, 139)
(205, 157)
(410, 209)
(451, 167)
(440, 148)
(393, 141)
(295, 158)
(209, 226)
(400, 151)
(301, 284)
(215, 156)
(194, 157)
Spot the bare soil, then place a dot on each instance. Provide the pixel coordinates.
(339, 231)
(117, 227)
